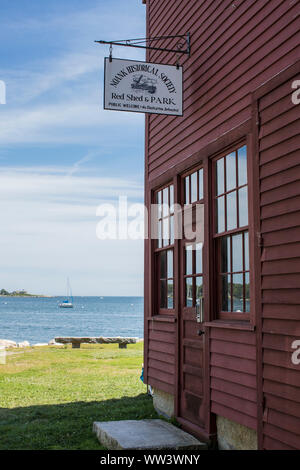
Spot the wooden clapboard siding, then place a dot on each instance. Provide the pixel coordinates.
(161, 355)
(234, 50)
(233, 375)
(280, 284)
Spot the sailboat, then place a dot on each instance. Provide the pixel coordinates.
(67, 303)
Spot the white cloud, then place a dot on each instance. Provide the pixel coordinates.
(52, 74)
(48, 231)
(107, 19)
(48, 213)
(58, 99)
(66, 122)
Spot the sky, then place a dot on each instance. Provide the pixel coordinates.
(61, 154)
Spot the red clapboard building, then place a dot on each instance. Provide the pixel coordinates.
(235, 376)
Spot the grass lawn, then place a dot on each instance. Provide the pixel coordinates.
(50, 396)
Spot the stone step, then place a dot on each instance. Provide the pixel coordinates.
(144, 434)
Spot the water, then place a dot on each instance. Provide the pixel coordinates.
(38, 320)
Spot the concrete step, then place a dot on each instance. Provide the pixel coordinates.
(144, 434)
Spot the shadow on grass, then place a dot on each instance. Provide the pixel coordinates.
(68, 425)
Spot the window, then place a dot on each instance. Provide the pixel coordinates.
(166, 279)
(193, 274)
(193, 184)
(193, 265)
(164, 252)
(231, 191)
(231, 233)
(165, 206)
(235, 273)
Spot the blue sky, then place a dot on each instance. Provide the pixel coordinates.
(61, 154)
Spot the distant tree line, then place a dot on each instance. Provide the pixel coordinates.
(20, 293)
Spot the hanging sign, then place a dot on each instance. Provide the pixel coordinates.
(142, 87)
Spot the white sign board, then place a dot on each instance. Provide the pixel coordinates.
(142, 87)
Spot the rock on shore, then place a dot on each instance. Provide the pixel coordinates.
(52, 342)
(7, 343)
(24, 344)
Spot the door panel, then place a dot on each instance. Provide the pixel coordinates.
(191, 338)
(191, 365)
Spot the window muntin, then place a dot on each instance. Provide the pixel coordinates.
(231, 231)
(164, 254)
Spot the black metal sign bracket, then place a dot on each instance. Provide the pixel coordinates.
(146, 43)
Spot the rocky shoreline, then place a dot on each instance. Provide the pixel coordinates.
(7, 344)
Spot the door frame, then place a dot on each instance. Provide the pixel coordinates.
(206, 432)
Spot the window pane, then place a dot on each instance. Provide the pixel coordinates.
(237, 253)
(172, 229)
(165, 242)
(230, 171)
(189, 291)
(247, 292)
(166, 232)
(194, 196)
(231, 211)
(246, 241)
(220, 215)
(165, 202)
(225, 279)
(170, 294)
(199, 287)
(189, 259)
(187, 190)
(200, 183)
(199, 268)
(159, 234)
(242, 165)
(225, 255)
(171, 198)
(237, 292)
(163, 294)
(170, 263)
(163, 264)
(158, 201)
(220, 176)
(243, 206)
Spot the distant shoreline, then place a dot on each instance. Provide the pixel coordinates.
(27, 295)
(20, 293)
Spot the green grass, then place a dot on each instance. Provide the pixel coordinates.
(50, 396)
